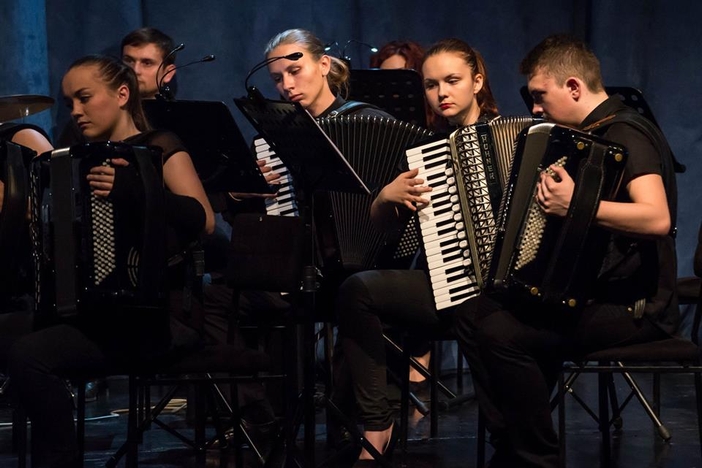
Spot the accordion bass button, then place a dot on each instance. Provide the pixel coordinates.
(534, 291)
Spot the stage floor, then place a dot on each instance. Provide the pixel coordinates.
(636, 445)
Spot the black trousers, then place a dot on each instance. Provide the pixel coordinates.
(515, 355)
(365, 302)
(40, 362)
(37, 365)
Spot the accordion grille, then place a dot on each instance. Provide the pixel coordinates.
(373, 146)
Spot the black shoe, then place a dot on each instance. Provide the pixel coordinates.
(387, 452)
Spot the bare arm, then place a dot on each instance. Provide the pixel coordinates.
(181, 178)
(646, 215)
(32, 139)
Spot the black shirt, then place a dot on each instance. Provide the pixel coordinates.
(169, 143)
(637, 268)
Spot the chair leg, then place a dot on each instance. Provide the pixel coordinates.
(132, 424)
(459, 370)
(80, 421)
(660, 428)
(19, 435)
(434, 364)
(616, 419)
(404, 401)
(561, 417)
(480, 452)
(603, 397)
(698, 398)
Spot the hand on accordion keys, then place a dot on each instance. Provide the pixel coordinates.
(555, 190)
(271, 179)
(102, 178)
(406, 190)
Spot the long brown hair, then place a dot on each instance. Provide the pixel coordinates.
(486, 101)
(338, 77)
(115, 74)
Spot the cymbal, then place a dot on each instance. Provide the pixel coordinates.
(18, 106)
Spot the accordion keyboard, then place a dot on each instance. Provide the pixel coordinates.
(440, 223)
(467, 173)
(284, 204)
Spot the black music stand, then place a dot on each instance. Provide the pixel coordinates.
(630, 96)
(316, 164)
(398, 92)
(222, 158)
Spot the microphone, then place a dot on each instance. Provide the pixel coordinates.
(177, 48)
(253, 92)
(373, 49)
(164, 91)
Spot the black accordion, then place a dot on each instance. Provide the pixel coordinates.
(373, 147)
(91, 252)
(467, 172)
(550, 258)
(13, 215)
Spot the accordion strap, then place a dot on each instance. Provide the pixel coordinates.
(669, 165)
(350, 107)
(577, 225)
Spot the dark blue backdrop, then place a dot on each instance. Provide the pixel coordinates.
(652, 45)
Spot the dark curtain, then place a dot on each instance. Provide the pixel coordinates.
(651, 45)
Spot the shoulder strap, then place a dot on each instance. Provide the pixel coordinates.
(669, 165)
(351, 106)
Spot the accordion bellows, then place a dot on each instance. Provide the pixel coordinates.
(374, 147)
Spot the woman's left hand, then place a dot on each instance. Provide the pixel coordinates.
(102, 178)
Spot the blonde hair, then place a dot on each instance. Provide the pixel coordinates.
(338, 77)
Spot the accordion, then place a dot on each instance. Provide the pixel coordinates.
(555, 259)
(94, 252)
(13, 213)
(373, 147)
(467, 172)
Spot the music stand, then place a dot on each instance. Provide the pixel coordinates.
(316, 164)
(398, 92)
(220, 154)
(313, 159)
(630, 96)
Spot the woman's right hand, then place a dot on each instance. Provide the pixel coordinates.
(102, 178)
(406, 190)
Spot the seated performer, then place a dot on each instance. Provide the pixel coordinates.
(102, 94)
(457, 89)
(404, 54)
(319, 82)
(145, 50)
(16, 318)
(515, 352)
